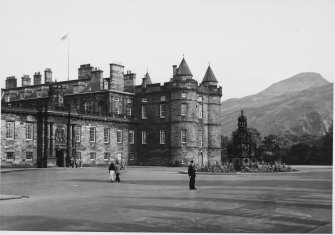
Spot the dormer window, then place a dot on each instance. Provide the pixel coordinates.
(39, 93)
(21, 95)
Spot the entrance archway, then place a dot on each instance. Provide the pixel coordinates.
(60, 157)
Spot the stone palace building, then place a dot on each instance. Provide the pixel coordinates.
(97, 118)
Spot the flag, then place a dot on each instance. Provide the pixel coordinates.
(64, 37)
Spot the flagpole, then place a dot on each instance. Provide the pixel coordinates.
(68, 57)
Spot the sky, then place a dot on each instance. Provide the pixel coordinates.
(249, 44)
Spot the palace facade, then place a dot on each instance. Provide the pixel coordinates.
(97, 118)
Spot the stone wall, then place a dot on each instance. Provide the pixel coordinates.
(99, 147)
(18, 145)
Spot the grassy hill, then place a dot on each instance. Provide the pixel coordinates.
(302, 104)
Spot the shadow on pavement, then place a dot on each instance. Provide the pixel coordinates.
(42, 223)
(262, 202)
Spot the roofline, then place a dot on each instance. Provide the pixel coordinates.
(45, 84)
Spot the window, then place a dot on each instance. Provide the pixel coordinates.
(10, 156)
(21, 95)
(162, 137)
(87, 106)
(7, 98)
(29, 156)
(183, 95)
(10, 127)
(162, 110)
(106, 135)
(200, 110)
(144, 112)
(200, 138)
(106, 156)
(92, 156)
(106, 85)
(117, 105)
(117, 109)
(78, 133)
(29, 131)
(131, 137)
(163, 98)
(119, 136)
(200, 98)
(144, 137)
(128, 111)
(131, 156)
(183, 136)
(119, 156)
(92, 134)
(128, 101)
(34, 130)
(38, 93)
(144, 100)
(183, 110)
(78, 155)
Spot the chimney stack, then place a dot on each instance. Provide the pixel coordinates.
(48, 75)
(26, 80)
(37, 78)
(174, 70)
(116, 81)
(97, 80)
(85, 71)
(129, 81)
(11, 82)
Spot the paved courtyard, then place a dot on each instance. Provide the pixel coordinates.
(157, 199)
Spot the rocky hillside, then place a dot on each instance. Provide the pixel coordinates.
(302, 104)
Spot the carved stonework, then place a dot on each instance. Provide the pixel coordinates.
(60, 136)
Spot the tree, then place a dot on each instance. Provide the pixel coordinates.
(255, 136)
(224, 148)
(299, 154)
(326, 152)
(276, 145)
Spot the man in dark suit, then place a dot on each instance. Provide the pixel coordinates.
(191, 173)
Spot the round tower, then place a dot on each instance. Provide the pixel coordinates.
(213, 113)
(184, 123)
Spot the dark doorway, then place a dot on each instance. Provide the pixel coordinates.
(60, 157)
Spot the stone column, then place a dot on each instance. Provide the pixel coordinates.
(39, 139)
(110, 105)
(68, 138)
(73, 140)
(52, 139)
(46, 142)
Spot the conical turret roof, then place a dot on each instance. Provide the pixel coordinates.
(209, 76)
(147, 79)
(183, 69)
